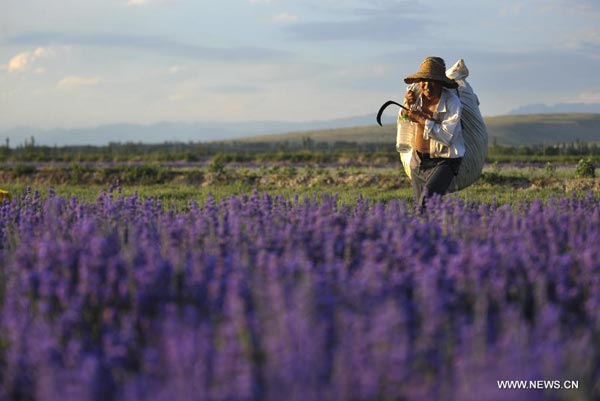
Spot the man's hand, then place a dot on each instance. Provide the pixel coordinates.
(410, 98)
(419, 116)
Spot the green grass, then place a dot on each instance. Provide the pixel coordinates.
(178, 197)
(502, 184)
(510, 184)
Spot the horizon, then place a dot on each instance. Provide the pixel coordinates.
(528, 129)
(388, 115)
(144, 62)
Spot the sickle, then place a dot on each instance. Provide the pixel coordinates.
(382, 108)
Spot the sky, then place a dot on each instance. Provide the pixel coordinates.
(81, 63)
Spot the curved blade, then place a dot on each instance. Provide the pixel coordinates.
(382, 108)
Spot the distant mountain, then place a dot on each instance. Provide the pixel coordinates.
(541, 108)
(505, 130)
(544, 128)
(170, 131)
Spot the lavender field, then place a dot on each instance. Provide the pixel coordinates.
(256, 297)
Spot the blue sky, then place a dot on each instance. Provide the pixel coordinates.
(76, 63)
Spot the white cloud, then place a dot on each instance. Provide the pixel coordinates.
(285, 17)
(74, 81)
(19, 62)
(176, 97)
(22, 61)
(510, 10)
(147, 2)
(578, 6)
(590, 96)
(359, 71)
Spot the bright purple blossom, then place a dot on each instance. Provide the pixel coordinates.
(265, 298)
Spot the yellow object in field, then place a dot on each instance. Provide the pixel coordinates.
(4, 195)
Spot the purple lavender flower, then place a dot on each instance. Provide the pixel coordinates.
(263, 298)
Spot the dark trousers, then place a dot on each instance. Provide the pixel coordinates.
(433, 176)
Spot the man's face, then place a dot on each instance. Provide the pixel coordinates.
(431, 89)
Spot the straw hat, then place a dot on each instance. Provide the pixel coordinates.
(432, 68)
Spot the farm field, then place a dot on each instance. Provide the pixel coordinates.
(175, 185)
(230, 281)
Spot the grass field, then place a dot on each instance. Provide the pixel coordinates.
(176, 187)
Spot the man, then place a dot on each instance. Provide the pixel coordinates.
(434, 110)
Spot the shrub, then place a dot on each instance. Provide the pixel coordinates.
(550, 169)
(585, 169)
(24, 170)
(216, 166)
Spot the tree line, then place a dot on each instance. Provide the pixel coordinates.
(306, 150)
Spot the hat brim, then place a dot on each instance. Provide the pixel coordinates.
(418, 77)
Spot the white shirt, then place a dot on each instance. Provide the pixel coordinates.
(446, 139)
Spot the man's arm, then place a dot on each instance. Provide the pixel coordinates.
(443, 131)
